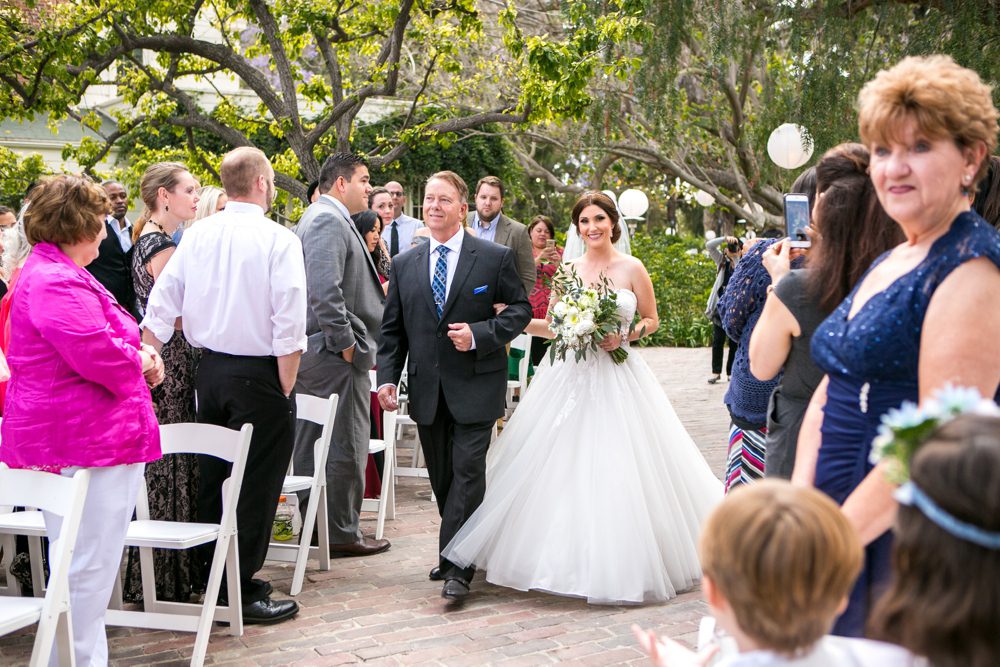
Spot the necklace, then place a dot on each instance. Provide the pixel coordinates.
(158, 226)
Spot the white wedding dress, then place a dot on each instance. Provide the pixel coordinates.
(594, 489)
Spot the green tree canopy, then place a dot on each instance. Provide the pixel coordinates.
(299, 71)
(713, 78)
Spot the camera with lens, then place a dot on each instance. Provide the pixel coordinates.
(734, 245)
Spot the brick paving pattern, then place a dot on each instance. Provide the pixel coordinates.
(383, 611)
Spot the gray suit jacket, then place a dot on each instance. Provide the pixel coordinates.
(514, 235)
(344, 293)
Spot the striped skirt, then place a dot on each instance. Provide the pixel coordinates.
(745, 460)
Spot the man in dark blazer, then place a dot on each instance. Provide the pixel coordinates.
(342, 326)
(439, 310)
(490, 224)
(113, 266)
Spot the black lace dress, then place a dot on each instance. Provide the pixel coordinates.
(172, 481)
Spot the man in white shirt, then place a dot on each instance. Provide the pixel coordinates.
(342, 324)
(490, 224)
(398, 234)
(238, 283)
(113, 266)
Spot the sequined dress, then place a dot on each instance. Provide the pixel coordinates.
(872, 362)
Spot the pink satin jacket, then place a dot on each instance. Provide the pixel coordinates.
(76, 395)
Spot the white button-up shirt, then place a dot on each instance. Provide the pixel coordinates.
(405, 226)
(124, 235)
(239, 283)
(454, 244)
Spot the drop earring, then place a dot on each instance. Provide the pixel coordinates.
(166, 207)
(966, 181)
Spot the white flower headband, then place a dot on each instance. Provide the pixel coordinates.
(901, 433)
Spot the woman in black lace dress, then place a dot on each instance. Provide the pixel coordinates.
(170, 194)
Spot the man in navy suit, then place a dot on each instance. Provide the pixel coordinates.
(439, 310)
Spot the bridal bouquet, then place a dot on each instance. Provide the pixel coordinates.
(583, 316)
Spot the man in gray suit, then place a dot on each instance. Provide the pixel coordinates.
(490, 224)
(342, 325)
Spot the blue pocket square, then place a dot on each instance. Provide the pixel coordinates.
(479, 290)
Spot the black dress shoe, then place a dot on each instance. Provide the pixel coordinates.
(455, 589)
(265, 586)
(435, 574)
(269, 611)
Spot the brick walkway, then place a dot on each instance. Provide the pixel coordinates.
(383, 611)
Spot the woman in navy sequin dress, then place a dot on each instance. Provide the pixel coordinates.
(925, 313)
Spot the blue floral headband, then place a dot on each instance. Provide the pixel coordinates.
(911, 495)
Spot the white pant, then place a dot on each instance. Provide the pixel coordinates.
(107, 512)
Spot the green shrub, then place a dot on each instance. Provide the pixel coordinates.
(682, 277)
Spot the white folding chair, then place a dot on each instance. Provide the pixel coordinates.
(322, 411)
(516, 388)
(406, 431)
(147, 534)
(385, 504)
(63, 496)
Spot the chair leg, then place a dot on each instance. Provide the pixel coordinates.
(64, 639)
(117, 596)
(305, 536)
(148, 578)
(45, 639)
(222, 551)
(233, 585)
(323, 531)
(37, 566)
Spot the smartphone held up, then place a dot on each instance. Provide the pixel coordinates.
(796, 220)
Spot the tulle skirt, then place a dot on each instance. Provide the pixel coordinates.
(594, 489)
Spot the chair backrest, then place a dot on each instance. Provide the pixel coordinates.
(43, 490)
(322, 411)
(217, 441)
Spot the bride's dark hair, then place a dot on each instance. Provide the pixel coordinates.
(602, 201)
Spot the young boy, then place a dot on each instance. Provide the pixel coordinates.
(778, 563)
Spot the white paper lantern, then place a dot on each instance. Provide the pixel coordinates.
(703, 198)
(790, 146)
(633, 203)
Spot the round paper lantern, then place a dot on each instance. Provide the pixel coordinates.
(633, 203)
(704, 198)
(790, 146)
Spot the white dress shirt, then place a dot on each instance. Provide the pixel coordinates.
(454, 244)
(238, 282)
(486, 231)
(124, 235)
(405, 226)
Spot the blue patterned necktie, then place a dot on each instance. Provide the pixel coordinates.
(440, 282)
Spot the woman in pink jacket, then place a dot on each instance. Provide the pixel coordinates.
(79, 391)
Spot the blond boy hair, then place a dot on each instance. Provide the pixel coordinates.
(784, 558)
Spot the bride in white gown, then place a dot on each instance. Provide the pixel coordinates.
(594, 489)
